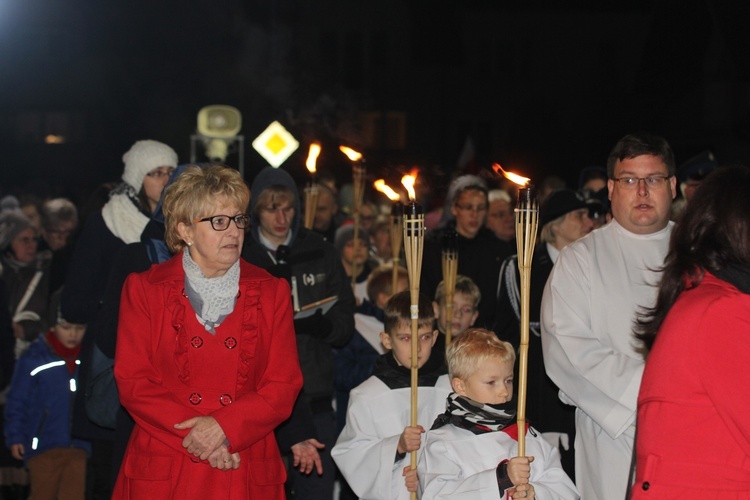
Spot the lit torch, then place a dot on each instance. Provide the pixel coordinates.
(527, 222)
(413, 247)
(397, 213)
(311, 191)
(358, 181)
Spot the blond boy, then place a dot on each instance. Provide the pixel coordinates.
(472, 449)
(466, 299)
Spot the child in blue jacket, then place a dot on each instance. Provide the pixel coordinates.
(38, 413)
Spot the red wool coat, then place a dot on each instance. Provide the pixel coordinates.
(169, 369)
(693, 436)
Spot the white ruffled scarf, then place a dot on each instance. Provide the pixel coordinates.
(212, 299)
(121, 214)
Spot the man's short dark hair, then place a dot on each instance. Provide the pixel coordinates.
(638, 144)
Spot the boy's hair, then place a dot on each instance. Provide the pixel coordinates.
(398, 311)
(380, 281)
(468, 350)
(464, 285)
(272, 198)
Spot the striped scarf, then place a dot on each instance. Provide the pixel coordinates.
(478, 418)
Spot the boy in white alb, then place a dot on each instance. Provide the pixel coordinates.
(372, 451)
(471, 451)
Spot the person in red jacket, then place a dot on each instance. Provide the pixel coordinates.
(693, 436)
(206, 361)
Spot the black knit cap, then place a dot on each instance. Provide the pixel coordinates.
(558, 204)
(54, 316)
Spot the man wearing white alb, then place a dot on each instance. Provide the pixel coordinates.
(591, 299)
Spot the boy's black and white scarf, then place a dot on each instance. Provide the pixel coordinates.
(396, 376)
(478, 418)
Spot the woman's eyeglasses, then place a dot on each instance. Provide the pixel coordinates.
(221, 222)
(158, 173)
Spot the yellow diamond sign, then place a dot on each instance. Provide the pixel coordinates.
(275, 144)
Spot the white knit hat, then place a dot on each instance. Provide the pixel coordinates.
(143, 157)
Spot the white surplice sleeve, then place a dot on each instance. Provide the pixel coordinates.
(365, 451)
(582, 325)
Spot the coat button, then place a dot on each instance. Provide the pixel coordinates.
(195, 398)
(230, 343)
(196, 342)
(646, 485)
(225, 399)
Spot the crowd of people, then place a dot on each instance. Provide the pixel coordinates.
(190, 337)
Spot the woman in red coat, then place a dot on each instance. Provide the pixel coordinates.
(206, 358)
(693, 437)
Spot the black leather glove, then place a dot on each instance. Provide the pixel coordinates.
(316, 325)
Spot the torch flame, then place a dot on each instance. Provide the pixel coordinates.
(515, 178)
(384, 188)
(312, 157)
(408, 181)
(350, 153)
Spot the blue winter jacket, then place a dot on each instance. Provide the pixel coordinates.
(39, 405)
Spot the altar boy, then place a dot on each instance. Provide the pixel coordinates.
(373, 449)
(471, 451)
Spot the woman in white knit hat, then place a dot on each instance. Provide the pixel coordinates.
(121, 221)
(148, 165)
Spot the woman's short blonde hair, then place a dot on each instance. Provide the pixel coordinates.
(547, 234)
(193, 196)
(471, 348)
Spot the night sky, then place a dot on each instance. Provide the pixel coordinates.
(538, 88)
